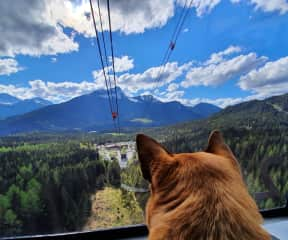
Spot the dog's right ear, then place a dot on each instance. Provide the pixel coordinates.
(217, 145)
(150, 154)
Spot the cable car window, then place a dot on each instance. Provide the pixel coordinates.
(80, 79)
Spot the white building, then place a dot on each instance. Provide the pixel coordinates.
(122, 151)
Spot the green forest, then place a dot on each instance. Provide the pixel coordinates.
(46, 187)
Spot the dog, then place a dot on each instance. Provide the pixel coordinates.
(197, 196)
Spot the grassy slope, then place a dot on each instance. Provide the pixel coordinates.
(110, 210)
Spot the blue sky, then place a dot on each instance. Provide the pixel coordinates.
(228, 51)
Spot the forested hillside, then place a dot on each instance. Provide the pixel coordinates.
(256, 131)
(46, 188)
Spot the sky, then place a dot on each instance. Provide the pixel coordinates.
(228, 51)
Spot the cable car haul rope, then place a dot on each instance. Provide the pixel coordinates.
(113, 101)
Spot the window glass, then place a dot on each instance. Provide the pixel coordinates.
(72, 102)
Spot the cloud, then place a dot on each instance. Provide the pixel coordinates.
(128, 16)
(172, 87)
(219, 57)
(40, 30)
(266, 81)
(205, 6)
(271, 79)
(202, 7)
(172, 96)
(221, 68)
(150, 78)
(55, 92)
(123, 64)
(25, 30)
(53, 59)
(9, 66)
(268, 5)
(221, 102)
(130, 83)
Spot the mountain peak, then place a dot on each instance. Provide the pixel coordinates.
(206, 109)
(7, 99)
(40, 101)
(102, 93)
(147, 97)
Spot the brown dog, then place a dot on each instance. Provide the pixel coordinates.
(197, 196)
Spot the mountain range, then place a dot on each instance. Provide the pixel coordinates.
(12, 106)
(90, 112)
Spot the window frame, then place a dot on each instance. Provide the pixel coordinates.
(125, 232)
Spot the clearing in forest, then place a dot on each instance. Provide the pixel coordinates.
(112, 208)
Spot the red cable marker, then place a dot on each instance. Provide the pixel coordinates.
(114, 115)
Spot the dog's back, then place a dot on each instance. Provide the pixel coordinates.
(198, 195)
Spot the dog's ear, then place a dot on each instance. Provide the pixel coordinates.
(216, 145)
(150, 154)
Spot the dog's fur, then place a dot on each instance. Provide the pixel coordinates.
(197, 196)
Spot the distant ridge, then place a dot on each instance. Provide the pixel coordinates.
(12, 106)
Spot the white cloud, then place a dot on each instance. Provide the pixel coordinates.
(268, 5)
(150, 78)
(266, 81)
(130, 83)
(53, 59)
(127, 16)
(9, 66)
(39, 31)
(221, 68)
(55, 92)
(270, 79)
(123, 64)
(219, 57)
(202, 7)
(172, 96)
(205, 6)
(221, 102)
(25, 30)
(172, 87)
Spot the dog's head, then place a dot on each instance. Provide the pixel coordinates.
(187, 187)
(153, 156)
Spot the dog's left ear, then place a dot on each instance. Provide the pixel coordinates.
(150, 154)
(217, 146)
